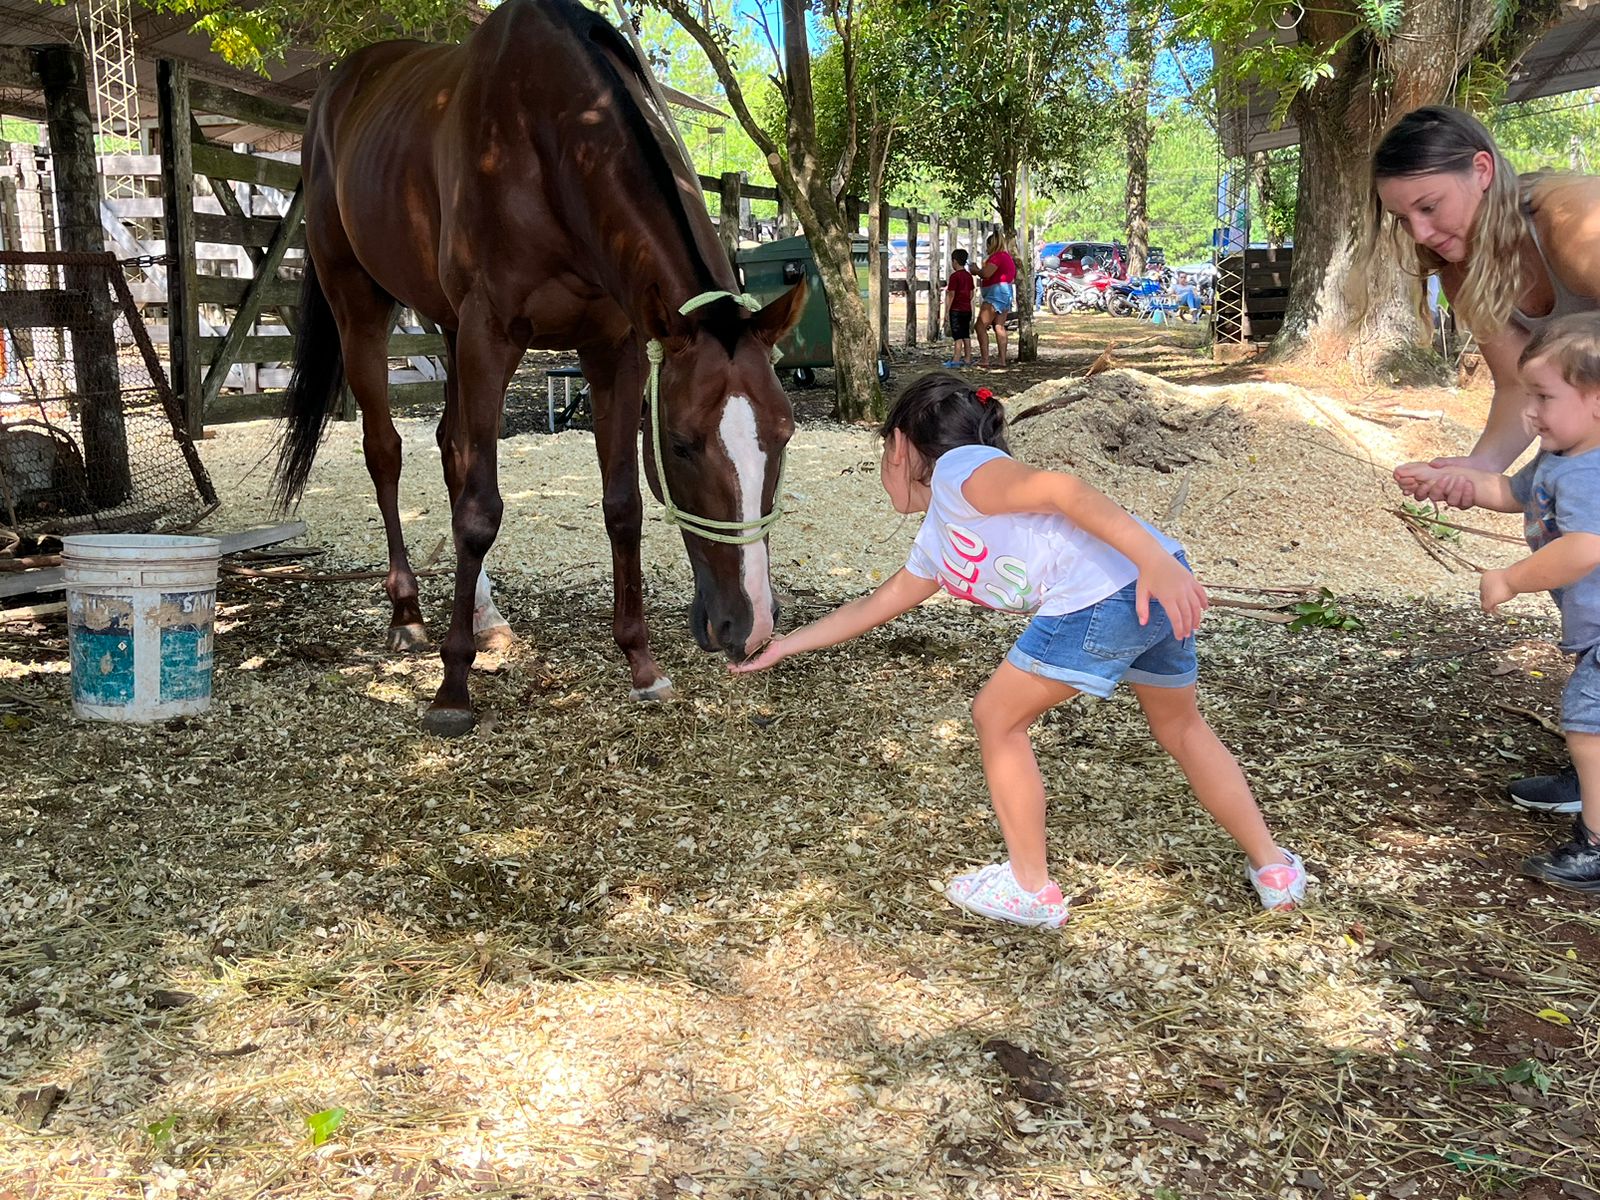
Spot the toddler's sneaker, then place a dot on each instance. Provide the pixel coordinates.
(995, 893)
(1574, 864)
(1281, 886)
(1556, 793)
(955, 362)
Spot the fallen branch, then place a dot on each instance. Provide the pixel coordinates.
(1539, 719)
(1070, 397)
(1440, 521)
(30, 562)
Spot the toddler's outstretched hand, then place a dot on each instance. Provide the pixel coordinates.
(1441, 479)
(770, 655)
(1177, 591)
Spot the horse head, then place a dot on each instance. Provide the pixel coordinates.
(715, 435)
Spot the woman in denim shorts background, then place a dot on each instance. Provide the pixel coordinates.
(999, 280)
(1005, 536)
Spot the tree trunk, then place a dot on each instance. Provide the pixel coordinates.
(857, 395)
(1136, 132)
(1027, 348)
(1341, 120)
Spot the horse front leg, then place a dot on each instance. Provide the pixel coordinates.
(484, 361)
(491, 632)
(616, 381)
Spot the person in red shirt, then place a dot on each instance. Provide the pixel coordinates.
(999, 298)
(958, 309)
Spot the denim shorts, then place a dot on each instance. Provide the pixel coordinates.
(1002, 296)
(1580, 699)
(1096, 647)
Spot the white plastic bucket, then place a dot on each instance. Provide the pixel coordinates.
(140, 611)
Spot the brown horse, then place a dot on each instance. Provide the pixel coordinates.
(522, 190)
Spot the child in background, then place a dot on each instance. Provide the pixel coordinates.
(1558, 494)
(1006, 536)
(958, 309)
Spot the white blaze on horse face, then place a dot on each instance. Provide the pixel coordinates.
(484, 614)
(742, 444)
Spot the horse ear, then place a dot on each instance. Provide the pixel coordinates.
(780, 316)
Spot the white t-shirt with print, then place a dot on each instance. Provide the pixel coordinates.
(1019, 562)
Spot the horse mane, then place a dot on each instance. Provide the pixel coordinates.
(608, 47)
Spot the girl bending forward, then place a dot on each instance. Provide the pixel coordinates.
(1006, 536)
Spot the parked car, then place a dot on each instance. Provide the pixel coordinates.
(1078, 257)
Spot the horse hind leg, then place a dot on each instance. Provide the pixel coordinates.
(364, 313)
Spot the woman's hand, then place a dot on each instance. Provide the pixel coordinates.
(1441, 480)
(1494, 589)
(1178, 592)
(769, 655)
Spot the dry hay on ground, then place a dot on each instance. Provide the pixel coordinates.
(605, 949)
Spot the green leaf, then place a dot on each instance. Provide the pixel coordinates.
(1529, 1070)
(1470, 1160)
(323, 1125)
(161, 1131)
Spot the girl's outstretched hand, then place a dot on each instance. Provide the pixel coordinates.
(1177, 591)
(770, 655)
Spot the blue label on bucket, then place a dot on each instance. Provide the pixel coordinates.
(186, 624)
(100, 632)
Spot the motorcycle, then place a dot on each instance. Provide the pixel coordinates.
(1125, 298)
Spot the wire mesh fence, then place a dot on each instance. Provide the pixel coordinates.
(91, 439)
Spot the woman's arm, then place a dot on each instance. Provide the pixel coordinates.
(900, 593)
(1007, 486)
(990, 267)
(1504, 434)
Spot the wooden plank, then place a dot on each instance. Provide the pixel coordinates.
(53, 579)
(253, 110)
(250, 303)
(177, 189)
(246, 168)
(280, 347)
(911, 277)
(250, 231)
(268, 406)
(728, 216)
(229, 290)
(130, 164)
(135, 208)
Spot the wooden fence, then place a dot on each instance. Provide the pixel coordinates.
(216, 247)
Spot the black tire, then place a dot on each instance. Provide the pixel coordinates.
(804, 377)
(1119, 306)
(1058, 301)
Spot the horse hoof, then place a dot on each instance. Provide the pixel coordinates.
(497, 639)
(407, 638)
(660, 690)
(447, 722)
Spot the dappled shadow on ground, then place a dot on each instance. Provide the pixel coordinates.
(608, 949)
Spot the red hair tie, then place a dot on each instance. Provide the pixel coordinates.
(984, 395)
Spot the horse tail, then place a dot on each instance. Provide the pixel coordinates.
(314, 389)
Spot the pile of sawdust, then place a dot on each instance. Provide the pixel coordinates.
(1132, 419)
(1265, 483)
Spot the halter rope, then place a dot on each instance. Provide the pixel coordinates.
(705, 527)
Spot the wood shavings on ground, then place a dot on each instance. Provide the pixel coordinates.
(605, 949)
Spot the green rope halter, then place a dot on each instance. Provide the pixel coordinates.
(727, 532)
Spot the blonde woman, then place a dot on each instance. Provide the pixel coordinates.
(999, 280)
(1513, 255)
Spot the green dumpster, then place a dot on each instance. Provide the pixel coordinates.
(773, 268)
